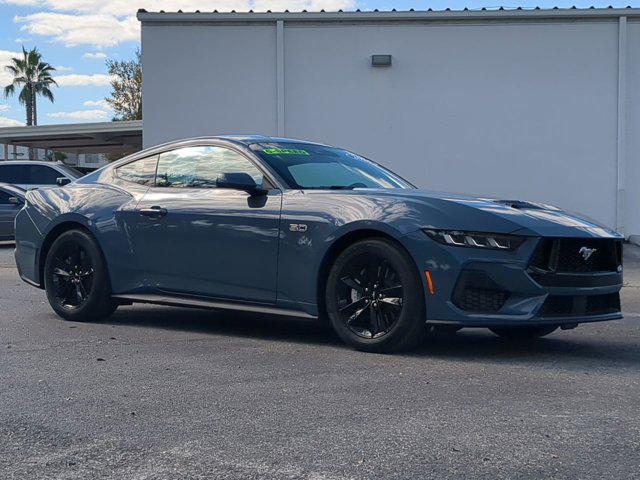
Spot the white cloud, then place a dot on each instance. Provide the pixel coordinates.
(5, 57)
(62, 68)
(123, 8)
(99, 30)
(25, 3)
(94, 114)
(97, 103)
(77, 80)
(95, 55)
(4, 107)
(22, 40)
(10, 122)
(103, 23)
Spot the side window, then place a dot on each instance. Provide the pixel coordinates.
(4, 198)
(141, 171)
(13, 173)
(42, 175)
(199, 167)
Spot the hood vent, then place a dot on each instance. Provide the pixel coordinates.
(519, 204)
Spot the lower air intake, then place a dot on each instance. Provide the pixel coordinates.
(475, 292)
(580, 305)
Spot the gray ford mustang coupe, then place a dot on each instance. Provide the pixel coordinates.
(282, 226)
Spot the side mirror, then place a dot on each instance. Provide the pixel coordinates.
(62, 181)
(15, 201)
(239, 181)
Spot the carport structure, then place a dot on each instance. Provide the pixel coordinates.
(103, 137)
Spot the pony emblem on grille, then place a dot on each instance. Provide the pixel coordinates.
(586, 252)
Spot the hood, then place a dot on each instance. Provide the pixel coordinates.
(453, 211)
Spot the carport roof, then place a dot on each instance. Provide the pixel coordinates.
(103, 137)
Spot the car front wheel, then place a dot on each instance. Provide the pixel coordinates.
(375, 299)
(76, 278)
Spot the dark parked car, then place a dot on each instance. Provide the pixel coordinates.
(280, 226)
(34, 174)
(11, 201)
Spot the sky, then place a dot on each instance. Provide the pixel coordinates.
(77, 36)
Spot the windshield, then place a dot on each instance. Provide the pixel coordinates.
(309, 166)
(71, 172)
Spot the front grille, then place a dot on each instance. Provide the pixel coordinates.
(569, 255)
(580, 305)
(475, 292)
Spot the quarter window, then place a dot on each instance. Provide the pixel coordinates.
(141, 171)
(199, 167)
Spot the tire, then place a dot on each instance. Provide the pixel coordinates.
(524, 333)
(374, 298)
(76, 278)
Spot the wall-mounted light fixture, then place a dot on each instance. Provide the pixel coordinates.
(380, 60)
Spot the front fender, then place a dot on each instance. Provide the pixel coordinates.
(310, 226)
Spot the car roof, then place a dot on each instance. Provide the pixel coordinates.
(32, 162)
(249, 139)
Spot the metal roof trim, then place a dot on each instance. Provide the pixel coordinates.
(500, 14)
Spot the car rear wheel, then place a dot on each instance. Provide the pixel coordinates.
(76, 278)
(374, 297)
(524, 333)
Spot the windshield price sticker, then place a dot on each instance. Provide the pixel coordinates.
(285, 151)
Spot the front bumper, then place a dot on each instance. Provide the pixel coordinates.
(517, 295)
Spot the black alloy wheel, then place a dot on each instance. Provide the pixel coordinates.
(370, 296)
(72, 275)
(76, 278)
(374, 297)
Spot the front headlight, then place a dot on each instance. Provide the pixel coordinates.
(491, 241)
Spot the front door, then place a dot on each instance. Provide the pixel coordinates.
(196, 239)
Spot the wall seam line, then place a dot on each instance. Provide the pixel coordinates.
(280, 78)
(621, 126)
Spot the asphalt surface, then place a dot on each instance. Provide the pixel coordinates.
(168, 393)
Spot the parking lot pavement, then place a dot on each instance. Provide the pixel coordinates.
(167, 393)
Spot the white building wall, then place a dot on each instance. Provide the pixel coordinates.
(199, 80)
(512, 109)
(519, 111)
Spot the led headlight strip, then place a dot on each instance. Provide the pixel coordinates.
(490, 241)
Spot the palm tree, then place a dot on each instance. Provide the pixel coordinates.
(33, 76)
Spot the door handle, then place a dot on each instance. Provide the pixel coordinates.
(153, 211)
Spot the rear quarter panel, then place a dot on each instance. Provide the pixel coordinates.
(96, 207)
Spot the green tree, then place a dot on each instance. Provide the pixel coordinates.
(126, 88)
(33, 77)
(59, 156)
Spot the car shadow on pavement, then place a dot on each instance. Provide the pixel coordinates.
(480, 344)
(235, 324)
(470, 344)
